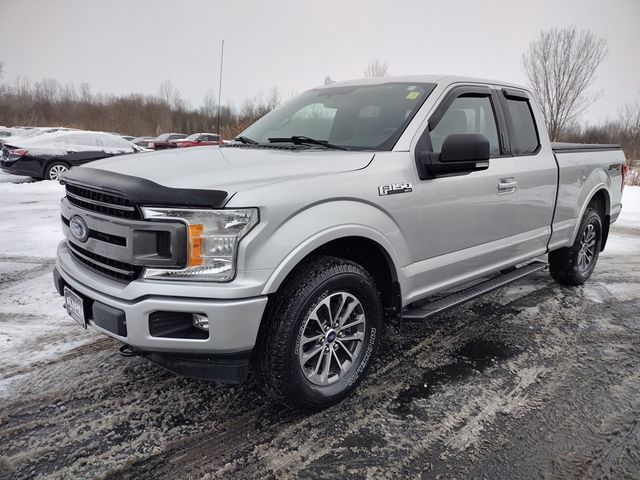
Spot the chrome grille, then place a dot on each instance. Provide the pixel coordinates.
(101, 202)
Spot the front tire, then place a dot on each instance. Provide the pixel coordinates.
(319, 335)
(574, 265)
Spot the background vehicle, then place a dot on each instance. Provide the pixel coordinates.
(162, 141)
(197, 139)
(355, 202)
(49, 155)
(143, 141)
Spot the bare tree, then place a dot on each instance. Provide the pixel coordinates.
(561, 66)
(210, 104)
(274, 98)
(167, 92)
(376, 68)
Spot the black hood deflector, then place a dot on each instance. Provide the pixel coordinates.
(141, 191)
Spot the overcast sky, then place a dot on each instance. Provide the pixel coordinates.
(125, 46)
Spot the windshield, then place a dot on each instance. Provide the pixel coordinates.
(193, 137)
(363, 117)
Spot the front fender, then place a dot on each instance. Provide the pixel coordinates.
(318, 224)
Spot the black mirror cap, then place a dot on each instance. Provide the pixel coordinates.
(465, 147)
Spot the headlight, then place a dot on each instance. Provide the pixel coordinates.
(212, 240)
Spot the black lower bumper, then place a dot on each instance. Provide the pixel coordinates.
(224, 368)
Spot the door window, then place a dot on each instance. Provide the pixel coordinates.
(467, 114)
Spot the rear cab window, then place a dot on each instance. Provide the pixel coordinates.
(523, 131)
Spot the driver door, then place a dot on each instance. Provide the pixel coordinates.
(464, 220)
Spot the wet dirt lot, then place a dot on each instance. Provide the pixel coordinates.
(532, 381)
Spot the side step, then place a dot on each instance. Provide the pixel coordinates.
(457, 298)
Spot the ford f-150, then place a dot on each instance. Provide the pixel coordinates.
(285, 252)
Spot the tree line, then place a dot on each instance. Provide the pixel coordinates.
(48, 102)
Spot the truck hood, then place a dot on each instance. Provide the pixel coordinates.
(232, 169)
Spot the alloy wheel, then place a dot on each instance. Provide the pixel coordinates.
(332, 338)
(587, 248)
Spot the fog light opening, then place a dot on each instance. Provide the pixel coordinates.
(201, 321)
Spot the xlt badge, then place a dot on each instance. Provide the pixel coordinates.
(394, 188)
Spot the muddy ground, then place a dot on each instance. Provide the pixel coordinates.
(532, 381)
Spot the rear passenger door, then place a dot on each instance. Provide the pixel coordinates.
(536, 172)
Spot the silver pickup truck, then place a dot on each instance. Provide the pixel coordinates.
(285, 252)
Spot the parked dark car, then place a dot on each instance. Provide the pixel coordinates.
(49, 155)
(162, 141)
(196, 140)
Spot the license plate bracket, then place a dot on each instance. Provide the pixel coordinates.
(75, 306)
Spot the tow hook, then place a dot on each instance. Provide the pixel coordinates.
(128, 351)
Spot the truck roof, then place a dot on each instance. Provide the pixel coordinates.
(446, 79)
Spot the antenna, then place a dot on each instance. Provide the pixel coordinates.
(220, 86)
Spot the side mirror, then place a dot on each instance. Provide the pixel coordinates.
(465, 147)
(460, 153)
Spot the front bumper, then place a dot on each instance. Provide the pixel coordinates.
(233, 323)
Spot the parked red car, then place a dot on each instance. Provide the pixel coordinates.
(197, 139)
(163, 140)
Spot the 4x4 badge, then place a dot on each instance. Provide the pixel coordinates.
(394, 188)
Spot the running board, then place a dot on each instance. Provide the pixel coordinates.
(445, 303)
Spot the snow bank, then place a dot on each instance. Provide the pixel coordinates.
(630, 216)
(30, 214)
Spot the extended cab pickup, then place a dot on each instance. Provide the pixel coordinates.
(356, 202)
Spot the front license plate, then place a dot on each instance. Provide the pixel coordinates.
(75, 306)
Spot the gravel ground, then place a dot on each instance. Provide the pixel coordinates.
(532, 381)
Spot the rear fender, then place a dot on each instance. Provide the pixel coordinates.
(597, 180)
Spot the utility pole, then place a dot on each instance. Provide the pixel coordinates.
(220, 86)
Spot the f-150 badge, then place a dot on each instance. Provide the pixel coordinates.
(394, 188)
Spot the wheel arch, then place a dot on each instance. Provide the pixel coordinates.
(357, 243)
(599, 198)
(601, 202)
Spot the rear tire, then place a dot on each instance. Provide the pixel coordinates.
(574, 265)
(54, 170)
(319, 335)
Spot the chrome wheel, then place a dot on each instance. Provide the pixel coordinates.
(587, 248)
(332, 338)
(56, 170)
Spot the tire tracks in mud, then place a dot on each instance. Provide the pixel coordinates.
(41, 266)
(378, 393)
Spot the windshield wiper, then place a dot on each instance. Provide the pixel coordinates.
(302, 140)
(245, 140)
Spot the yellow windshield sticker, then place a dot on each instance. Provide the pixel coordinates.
(412, 95)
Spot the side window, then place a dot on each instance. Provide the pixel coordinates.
(468, 114)
(525, 136)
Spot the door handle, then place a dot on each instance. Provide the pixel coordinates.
(507, 185)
